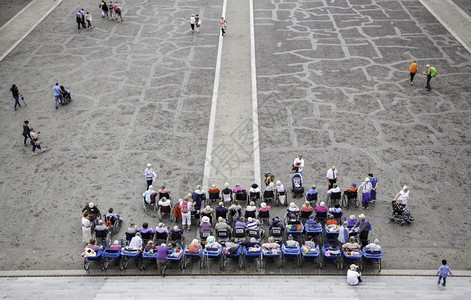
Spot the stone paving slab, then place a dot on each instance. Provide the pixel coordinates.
(329, 74)
(8, 9)
(276, 287)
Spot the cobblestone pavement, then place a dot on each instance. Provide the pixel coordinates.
(332, 85)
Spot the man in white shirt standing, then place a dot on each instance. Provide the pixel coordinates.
(299, 163)
(331, 177)
(353, 277)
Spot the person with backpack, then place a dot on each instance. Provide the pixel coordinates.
(430, 72)
(117, 11)
(185, 207)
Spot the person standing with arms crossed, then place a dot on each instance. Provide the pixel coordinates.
(412, 69)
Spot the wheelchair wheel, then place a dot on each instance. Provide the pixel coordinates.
(102, 264)
(241, 261)
(392, 219)
(299, 260)
(221, 262)
(86, 264)
(183, 261)
(116, 226)
(144, 204)
(339, 265)
(379, 266)
(201, 262)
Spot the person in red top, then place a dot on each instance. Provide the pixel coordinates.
(331, 221)
(307, 207)
(412, 69)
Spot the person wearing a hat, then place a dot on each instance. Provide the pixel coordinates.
(353, 276)
(363, 227)
(211, 242)
(149, 175)
(254, 192)
(366, 188)
(205, 225)
(147, 194)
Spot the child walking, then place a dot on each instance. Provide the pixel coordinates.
(443, 272)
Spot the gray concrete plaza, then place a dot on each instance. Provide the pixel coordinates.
(333, 85)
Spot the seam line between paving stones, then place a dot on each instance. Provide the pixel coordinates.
(450, 28)
(57, 2)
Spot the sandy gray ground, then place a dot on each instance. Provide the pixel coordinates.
(332, 80)
(8, 9)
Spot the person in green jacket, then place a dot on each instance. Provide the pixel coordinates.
(430, 72)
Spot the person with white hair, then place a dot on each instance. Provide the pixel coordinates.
(136, 242)
(293, 208)
(222, 225)
(279, 187)
(363, 227)
(92, 210)
(147, 194)
(211, 242)
(430, 72)
(161, 258)
(227, 193)
(116, 246)
(353, 276)
(366, 188)
(403, 195)
(270, 187)
(250, 210)
(149, 175)
(373, 246)
(253, 223)
(86, 228)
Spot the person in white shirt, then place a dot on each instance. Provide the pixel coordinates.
(403, 195)
(299, 163)
(192, 23)
(366, 188)
(279, 187)
(147, 194)
(136, 242)
(373, 246)
(150, 175)
(331, 176)
(86, 228)
(353, 277)
(334, 189)
(164, 202)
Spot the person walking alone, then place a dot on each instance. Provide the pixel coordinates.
(26, 131)
(16, 95)
(430, 72)
(412, 70)
(223, 24)
(443, 272)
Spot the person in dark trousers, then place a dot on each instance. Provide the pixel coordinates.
(35, 141)
(78, 19)
(26, 131)
(16, 95)
(430, 72)
(412, 71)
(104, 9)
(83, 18)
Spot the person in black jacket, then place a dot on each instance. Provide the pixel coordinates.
(26, 131)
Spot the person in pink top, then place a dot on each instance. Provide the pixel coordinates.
(238, 187)
(264, 207)
(321, 208)
(116, 246)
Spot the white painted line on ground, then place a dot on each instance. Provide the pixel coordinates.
(256, 142)
(445, 24)
(57, 2)
(212, 118)
(19, 13)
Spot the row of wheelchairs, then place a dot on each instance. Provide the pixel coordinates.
(273, 197)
